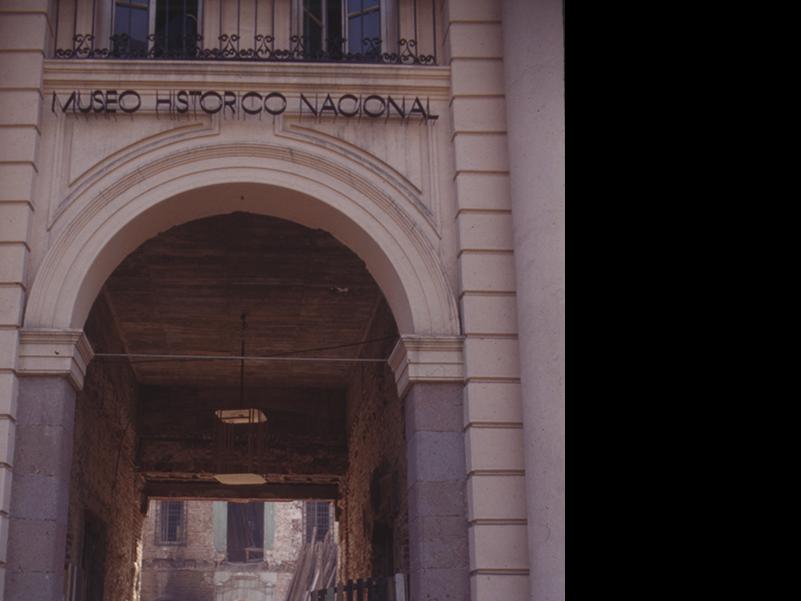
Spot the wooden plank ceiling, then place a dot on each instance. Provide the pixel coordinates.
(182, 293)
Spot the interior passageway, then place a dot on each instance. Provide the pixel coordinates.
(317, 332)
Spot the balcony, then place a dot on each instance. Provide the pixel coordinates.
(388, 32)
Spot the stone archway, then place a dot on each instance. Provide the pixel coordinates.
(96, 235)
(357, 211)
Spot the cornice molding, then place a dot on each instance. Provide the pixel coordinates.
(427, 359)
(434, 82)
(65, 353)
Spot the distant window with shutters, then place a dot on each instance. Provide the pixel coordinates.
(317, 518)
(245, 532)
(171, 520)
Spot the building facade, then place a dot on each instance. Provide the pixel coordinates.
(196, 550)
(344, 218)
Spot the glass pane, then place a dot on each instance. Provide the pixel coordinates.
(370, 3)
(161, 25)
(176, 25)
(371, 25)
(314, 8)
(355, 35)
(334, 33)
(354, 6)
(121, 19)
(139, 25)
(312, 36)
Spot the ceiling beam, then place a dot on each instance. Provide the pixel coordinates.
(219, 492)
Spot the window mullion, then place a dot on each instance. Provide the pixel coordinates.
(325, 33)
(151, 28)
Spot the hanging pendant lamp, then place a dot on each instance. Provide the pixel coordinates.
(240, 435)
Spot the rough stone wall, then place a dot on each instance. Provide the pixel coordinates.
(288, 536)
(180, 571)
(374, 494)
(199, 547)
(104, 482)
(282, 558)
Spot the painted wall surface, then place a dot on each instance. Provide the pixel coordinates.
(428, 206)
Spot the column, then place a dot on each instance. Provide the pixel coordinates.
(25, 33)
(50, 366)
(492, 406)
(431, 382)
(534, 67)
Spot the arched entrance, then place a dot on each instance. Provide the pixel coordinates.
(425, 359)
(384, 233)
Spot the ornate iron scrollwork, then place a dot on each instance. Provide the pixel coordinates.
(229, 48)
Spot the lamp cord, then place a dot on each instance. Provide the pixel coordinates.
(242, 364)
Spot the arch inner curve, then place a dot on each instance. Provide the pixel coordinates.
(99, 238)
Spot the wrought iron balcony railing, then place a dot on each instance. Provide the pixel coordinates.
(231, 47)
(233, 30)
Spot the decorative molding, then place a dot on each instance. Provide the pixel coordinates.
(432, 82)
(427, 359)
(75, 186)
(384, 167)
(110, 205)
(54, 353)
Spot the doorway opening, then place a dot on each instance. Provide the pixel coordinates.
(166, 333)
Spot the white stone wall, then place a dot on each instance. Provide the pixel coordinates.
(25, 29)
(427, 205)
(534, 69)
(487, 294)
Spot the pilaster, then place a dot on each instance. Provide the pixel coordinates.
(534, 75)
(488, 283)
(37, 526)
(36, 423)
(429, 373)
(438, 536)
(25, 35)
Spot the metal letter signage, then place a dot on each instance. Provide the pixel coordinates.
(242, 104)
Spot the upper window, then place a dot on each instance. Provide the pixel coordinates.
(171, 523)
(317, 520)
(132, 19)
(245, 532)
(158, 27)
(364, 26)
(334, 27)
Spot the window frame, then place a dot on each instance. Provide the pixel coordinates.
(238, 506)
(387, 18)
(160, 525)
(151, 19)
(347, 16)
(308, 526)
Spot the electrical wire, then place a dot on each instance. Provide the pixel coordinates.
(153, 358)
(284, 356)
